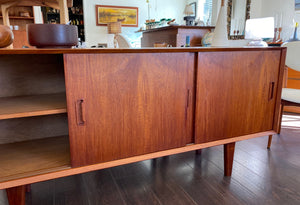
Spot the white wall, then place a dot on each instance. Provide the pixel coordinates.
(284, 7)
(159, 9)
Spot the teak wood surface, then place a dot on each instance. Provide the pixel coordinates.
(236, 92)
(123, 105)
(34, 105)
(293, 81)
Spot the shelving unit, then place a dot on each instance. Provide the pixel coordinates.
(33, 122)
(20, 35)
(20, 17)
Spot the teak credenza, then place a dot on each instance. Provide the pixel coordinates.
(66, 112)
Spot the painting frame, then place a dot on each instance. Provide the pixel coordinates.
(194, 7)
(119, 13)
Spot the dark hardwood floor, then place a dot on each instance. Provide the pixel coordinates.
(259, 177)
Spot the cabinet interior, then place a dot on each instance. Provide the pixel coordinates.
(33, 116)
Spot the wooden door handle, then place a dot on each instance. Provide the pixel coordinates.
(80, 112)
(271, 90)
(187, 104)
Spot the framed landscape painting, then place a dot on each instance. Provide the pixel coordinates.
(106, 14)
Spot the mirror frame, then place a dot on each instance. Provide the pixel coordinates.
(229, 8)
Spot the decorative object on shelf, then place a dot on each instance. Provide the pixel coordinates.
(220, 37)
(187, 41)
(295, 35)
(257, 29)
(189, 19)
(24, 14)
(207, 39)
(148, 2)
(6, 36)
(160, 45)
(199, 22)
(106, 14)
(278, 27)
(295, 32)
(52, 35)
(119, 40)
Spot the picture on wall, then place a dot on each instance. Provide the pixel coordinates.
(127, 15)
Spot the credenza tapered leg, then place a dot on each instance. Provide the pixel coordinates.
(16, 195)
(228, 158)
(199, 151)
(269, 141)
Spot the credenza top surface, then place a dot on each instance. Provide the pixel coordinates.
(132, 50)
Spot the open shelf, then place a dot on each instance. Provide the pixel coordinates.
(35, 105)
(20, 17)
(30, 158)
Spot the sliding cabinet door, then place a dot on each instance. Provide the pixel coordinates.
(122, 105)
(235, 93)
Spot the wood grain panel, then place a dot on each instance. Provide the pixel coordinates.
(136, 50)
(164, 36)
(122, 105)
(174, 35)
(195, 35)
(234, 94)
(293, 79)
(228, 158)
(16, 195)
(30, 128)
(20, 38)
(36, 105)
(31, 75)
(22, 159)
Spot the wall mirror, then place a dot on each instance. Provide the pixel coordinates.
(238, 11)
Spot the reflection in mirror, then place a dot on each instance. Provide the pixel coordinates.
(238, 13)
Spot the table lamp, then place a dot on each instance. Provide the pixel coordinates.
(257, 29)
(189, 11)
(114, 28)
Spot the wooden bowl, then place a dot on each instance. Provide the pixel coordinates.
(6, 36)
(52, 35)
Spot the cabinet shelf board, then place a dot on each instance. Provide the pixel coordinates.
(35, 105)
(20, 17)
(30, 158)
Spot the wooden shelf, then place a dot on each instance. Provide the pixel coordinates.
(30, 158)
(20, 17)
(36, 105)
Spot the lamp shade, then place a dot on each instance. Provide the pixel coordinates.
(259, 28)
(114, 27)
(188, 10)
(220, 38)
